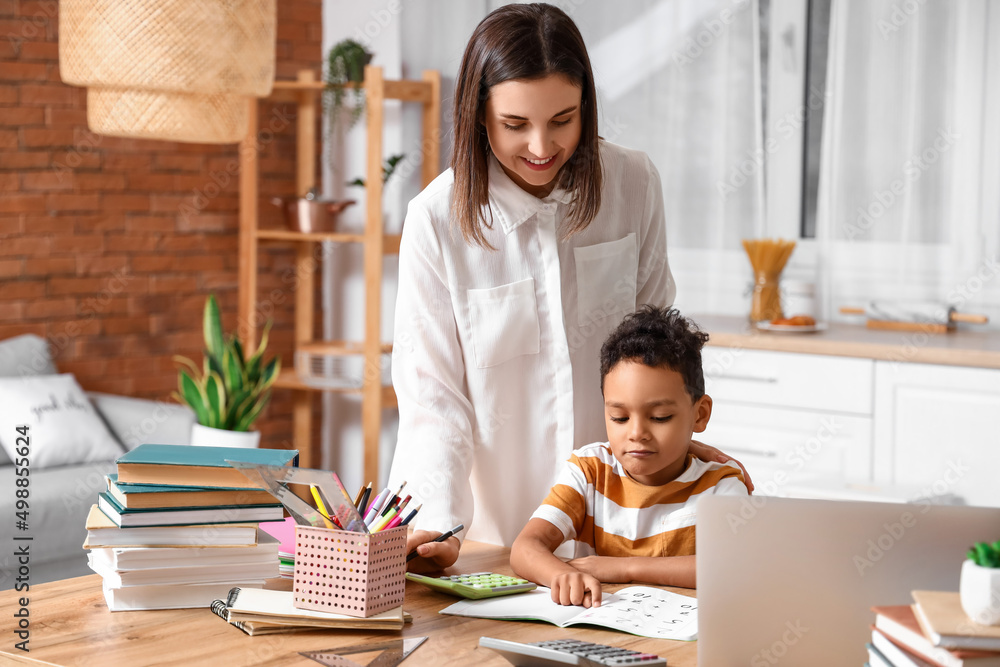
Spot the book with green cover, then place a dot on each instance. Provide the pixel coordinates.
(184, 516)
(151, 496)
(191, 465)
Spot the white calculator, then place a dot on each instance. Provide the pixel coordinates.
(569, 652)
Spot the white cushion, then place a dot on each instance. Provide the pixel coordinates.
(62, 425)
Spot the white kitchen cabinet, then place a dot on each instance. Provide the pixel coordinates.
(791, 419)
(938, 428)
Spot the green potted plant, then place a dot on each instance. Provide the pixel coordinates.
(979, 587)
(228, 392)
(346, 64)
(388, 169)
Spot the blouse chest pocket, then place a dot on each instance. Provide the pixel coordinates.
(504, 322)
(605, 279)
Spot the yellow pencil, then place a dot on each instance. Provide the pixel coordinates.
(320, 506)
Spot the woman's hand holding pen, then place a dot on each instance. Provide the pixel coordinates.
(431, 556)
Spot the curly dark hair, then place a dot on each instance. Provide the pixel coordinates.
(658, 338)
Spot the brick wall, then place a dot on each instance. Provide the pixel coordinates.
(109, 247)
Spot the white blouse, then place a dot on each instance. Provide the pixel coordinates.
(496, 353)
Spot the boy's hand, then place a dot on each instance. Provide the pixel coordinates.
(576, 588)
(431, 556)
(608, 569)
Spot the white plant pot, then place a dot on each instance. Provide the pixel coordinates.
(979, 591)
(207, 436)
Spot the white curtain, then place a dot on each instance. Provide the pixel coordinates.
(909, 178)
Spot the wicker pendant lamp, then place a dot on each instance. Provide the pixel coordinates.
(178, 70)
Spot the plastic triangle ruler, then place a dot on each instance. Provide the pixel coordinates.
(277, 478)
(390, 653)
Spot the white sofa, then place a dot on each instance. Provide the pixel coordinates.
(61, 497)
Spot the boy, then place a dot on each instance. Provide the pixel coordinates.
(629, 502)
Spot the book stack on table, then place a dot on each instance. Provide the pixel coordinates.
(178, 526)
(932, 632)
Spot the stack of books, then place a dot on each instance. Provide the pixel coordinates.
(932, 632)
(178, 526)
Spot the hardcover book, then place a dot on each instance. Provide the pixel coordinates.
(128, 559)
(185, 516)
(942, 619)
(190, 465)
(157, 496)
(103, 532)
(899, 625)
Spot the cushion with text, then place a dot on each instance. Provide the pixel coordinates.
(63, 427)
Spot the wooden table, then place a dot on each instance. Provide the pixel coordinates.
(71, 625)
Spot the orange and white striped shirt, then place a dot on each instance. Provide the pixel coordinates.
(608, 513)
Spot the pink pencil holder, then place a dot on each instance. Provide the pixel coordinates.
(349, 573)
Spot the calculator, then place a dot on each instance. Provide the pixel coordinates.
(569, 652)
(475, 586)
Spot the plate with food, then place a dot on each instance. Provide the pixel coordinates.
(796, 324)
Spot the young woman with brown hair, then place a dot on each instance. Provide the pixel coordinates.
(514, 266)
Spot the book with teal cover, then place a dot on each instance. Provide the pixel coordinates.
(191, 465)
(185, 516)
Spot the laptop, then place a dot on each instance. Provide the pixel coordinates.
(788, 581)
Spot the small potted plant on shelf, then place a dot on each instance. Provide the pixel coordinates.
(388, 169)
(228, 392)
(979, 588)
(346, 64)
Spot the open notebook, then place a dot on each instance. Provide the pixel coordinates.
(639, 610)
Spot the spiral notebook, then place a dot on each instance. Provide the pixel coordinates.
(258, 611)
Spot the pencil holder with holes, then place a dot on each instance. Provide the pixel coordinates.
(349, 573)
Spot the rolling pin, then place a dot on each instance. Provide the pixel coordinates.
(913, 316)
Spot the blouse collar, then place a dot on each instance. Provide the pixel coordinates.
(511, 205)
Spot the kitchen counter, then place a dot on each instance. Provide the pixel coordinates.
(968, 346)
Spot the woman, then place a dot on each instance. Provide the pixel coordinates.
(514, 266)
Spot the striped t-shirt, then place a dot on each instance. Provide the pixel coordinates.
(596, 503)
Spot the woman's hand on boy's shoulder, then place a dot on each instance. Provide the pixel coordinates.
(431, 556)
(576, 588)
(608, 569)
(710, 453)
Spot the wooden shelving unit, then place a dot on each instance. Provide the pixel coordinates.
(305, 93)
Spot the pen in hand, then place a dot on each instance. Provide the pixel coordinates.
(413, 554)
